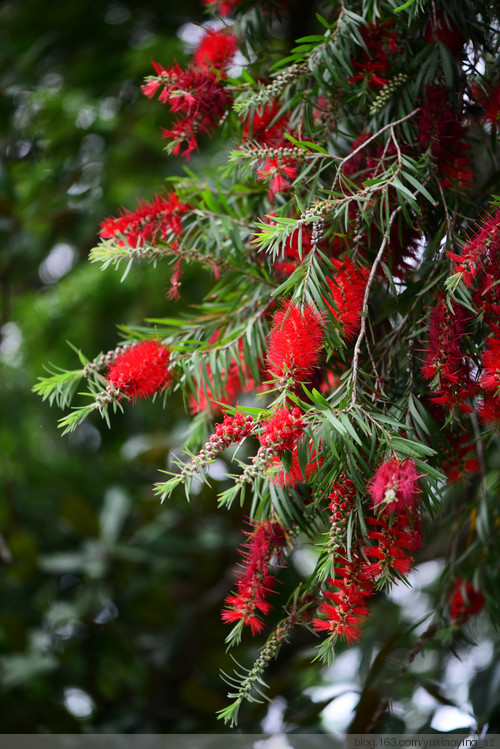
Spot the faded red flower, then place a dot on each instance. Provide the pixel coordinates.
(295, 342)
(222, 7)
(394, 487)
(347, 291)
(148, 223)
(380, 46)
(215, 50)
(465, 601)
(262, 550)
(141, 371)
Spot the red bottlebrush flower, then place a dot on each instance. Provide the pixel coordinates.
(266, 127)
(280, 172)
(264, 543)
(445, 364)
(489, 99)
(442, 28)
(479, 264)
(292, 475)
(215, 50)
(490, 379)
(295, 342)
(437, 122)
(344, 616)
(148, 223)
(380, 44)
(395, 538)
(460, 460)
(465, 601)
(283, 430)
(197, 95)
(141, 370)
(489, 410)
(347, 289)
(394, 487)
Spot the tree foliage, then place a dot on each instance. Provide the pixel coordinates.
(345, 356)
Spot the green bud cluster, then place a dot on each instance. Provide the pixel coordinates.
(388, 90)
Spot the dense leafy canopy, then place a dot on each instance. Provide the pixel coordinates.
(338, 372)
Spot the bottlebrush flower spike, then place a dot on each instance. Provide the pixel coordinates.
(280, 172)
(490, 379)
(266, 127)
(215, 50)
(395, 539)
(345, 609)
(295, 342)
(489, 410)
(394, 487)
(347, 289)
(141, 370)
(283, 430)
(445, 365)
(148, 223)
(465, 601)
(197, 95)
(292, 475)
(264, 543)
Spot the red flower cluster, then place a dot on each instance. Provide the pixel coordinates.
(215, 50)
(394, 487)
(461, 459)
(366, 163)
(148, 223)
(442, 28)
(465, 601)
(489, 100)
(283, 430)
(292, 475)
(196, 95)
(380, 44)
(440, 129)
(280, 172)
(347, 289)
(267, 130)
(345, 609)
(479, 264)
(295, 342)
(342, 500)
(141, 370)
(254, 584)
(395, 537)
(446, 366)
(233, 429)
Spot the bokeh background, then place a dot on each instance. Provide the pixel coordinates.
(110, 602)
